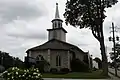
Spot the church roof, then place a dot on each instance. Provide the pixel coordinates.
(57, 29)
(55, 44)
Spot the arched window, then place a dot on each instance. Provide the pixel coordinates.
(55, 24)
(39, 58)
(58, 60)
(59, 24)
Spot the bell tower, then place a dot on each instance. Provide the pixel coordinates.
(57, 31)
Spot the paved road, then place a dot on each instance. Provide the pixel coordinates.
(113, 77)
(113, 71)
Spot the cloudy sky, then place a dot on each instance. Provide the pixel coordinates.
(23, 25)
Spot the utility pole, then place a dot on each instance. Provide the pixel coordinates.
(114, 46)
(114, 49)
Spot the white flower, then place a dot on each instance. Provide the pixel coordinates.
(34, 73)
(16, 72)
(12, 77)
(29, 75)
(23, 75)
(37, 70)
(5, 72)
(13, 68)
(36, 76)
(39, 74)
(8, 74)
(19, 75)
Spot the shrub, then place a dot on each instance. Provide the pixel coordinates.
(79, 66)
(15, 73)
(65, 70)
(43, 66)
(53, 70)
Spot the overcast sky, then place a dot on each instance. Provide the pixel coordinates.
(23, 25)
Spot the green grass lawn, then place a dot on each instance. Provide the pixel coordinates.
(77, 75)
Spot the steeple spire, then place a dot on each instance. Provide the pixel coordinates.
(57, 12)
(57, 31)
(57, 22)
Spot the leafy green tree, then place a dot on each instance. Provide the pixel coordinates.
(9, 61)
(90, 14)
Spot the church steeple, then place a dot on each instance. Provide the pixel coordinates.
(57, 31)
(57, 22)
(57, 12)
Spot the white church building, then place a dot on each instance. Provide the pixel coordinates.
(56, 50)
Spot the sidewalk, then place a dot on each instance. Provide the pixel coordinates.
(113, 77)
(112, 71)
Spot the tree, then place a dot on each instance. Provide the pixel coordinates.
(90, 14)
(9, 61)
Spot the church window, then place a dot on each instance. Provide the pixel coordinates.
(55, 24)
(39, 58)
(59, 24)
(58, 60)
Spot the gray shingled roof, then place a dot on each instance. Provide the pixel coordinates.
(57, 29)
(55, 44)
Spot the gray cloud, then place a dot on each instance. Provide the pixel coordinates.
(19, 9)
(30, 35)
(25, 32)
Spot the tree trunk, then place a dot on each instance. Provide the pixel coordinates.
(103, 52)
(104, 59)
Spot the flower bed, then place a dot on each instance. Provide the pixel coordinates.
(15, 73)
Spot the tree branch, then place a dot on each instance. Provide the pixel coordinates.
(94, 34)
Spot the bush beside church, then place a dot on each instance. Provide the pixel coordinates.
(15, 73)
(79, 66)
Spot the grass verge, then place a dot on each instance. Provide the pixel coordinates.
(77, 75)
